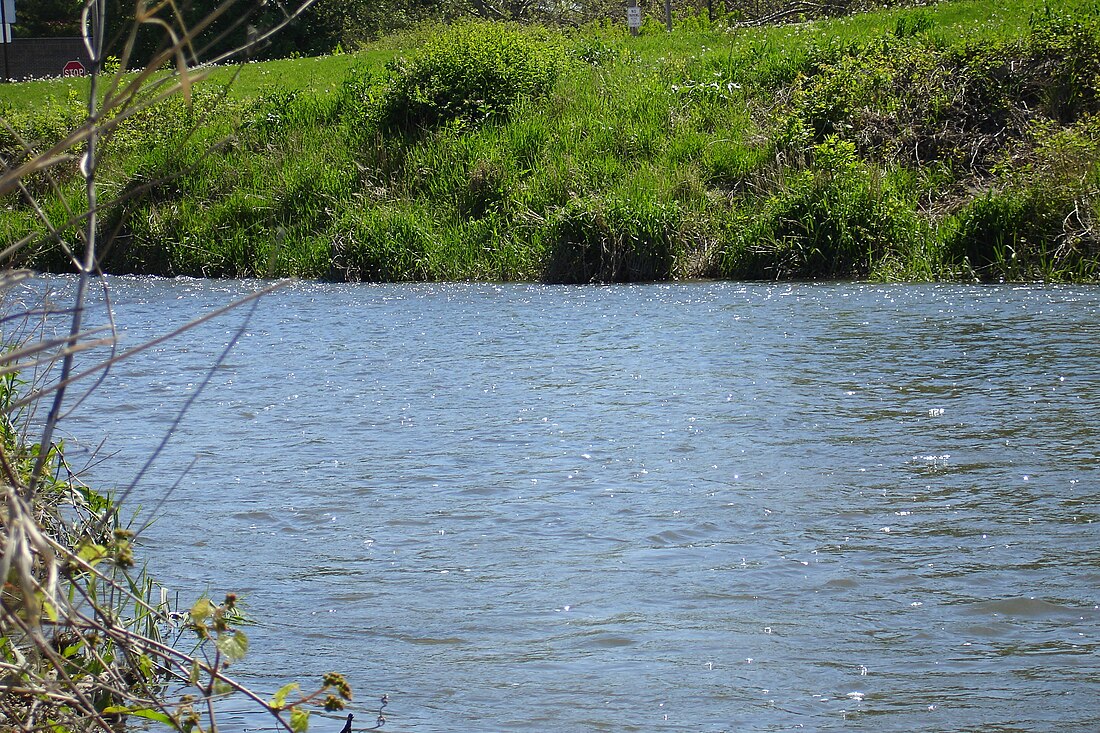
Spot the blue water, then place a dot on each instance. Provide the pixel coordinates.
(690, 507)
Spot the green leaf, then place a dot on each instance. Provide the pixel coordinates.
(146, 713)
(279, 699)
(299, 720)
(145, 664)
(195, 670)
(91, 553)
(202, 610)
(222, 687)
(233, 646)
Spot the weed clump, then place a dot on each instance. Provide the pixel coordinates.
(388, 244)
(839, 219)
(906, 97)
(613, 242)
(1040, 220)
(470, 73)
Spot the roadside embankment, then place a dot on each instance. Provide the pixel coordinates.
(954, 141)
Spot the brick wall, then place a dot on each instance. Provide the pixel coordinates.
(34, 58)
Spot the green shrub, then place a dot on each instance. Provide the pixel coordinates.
(471, 72)
(612, 242)
(1039, 223)
(913, 22)
(1064, 63)
(384, 244)
(27, 132)
(831, 101)
(595, 50)
(839, 220)
(990, 231)
(905, 96)
(1018, 235)
(729, 164)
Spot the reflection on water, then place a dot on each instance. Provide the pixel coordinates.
(699, 507)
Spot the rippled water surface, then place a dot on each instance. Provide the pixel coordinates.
(697, 507)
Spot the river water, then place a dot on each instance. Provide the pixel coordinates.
(688, 507)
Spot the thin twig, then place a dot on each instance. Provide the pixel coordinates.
(38, 394)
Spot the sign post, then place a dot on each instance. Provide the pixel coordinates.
(633, 17)
(7, 19)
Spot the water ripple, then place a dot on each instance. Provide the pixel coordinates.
(698, 507)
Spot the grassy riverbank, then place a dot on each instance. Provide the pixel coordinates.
(954, 141)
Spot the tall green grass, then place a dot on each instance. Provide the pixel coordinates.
(903, 143)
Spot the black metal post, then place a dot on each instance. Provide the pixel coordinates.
(7, 38)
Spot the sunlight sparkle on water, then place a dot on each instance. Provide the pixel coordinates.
(808, 480)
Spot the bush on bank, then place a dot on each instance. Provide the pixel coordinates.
(838, 218)
(470, 73)
(951, 141)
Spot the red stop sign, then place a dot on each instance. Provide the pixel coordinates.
(73, 68)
